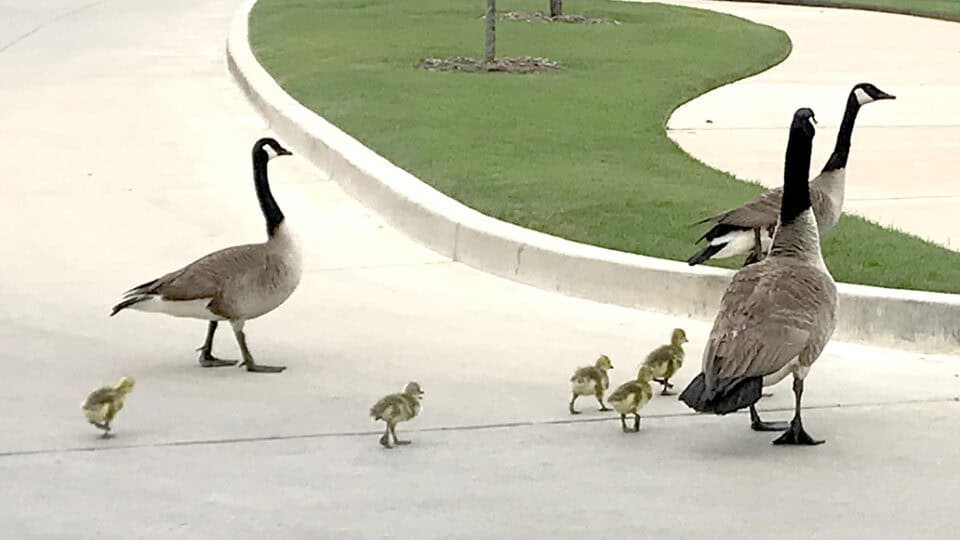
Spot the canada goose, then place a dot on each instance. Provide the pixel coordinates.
(235, 284)
(777, 315)
(750, 227)
(103, 404)
(591, 381)
(397, 408)
(665, 360)
(631, 396)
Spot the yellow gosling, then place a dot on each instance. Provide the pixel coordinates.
(664, 361)
(591, 381)
(631, 396)
(103, 404)
(397, 408)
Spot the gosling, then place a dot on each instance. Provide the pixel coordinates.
(397, 408)
(591, 381)
(103, 404)
(664, 361)
(631, 396)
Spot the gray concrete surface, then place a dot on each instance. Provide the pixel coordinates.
(126, 154)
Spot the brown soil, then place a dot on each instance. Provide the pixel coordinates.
(540, 16)
(523, 64)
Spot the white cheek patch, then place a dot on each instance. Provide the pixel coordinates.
(271, 153)
(862, 96)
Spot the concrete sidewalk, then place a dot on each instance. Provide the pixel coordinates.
(905, 153)
(129, 156)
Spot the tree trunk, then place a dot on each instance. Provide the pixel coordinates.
(556, 8)
(490, 50)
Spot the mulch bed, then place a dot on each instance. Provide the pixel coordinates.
(522, 64)
(540, 16)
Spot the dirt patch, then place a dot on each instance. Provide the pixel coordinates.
(539, 16)
(522, 64)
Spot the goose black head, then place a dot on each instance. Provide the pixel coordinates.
(270, 147)
(867, 93)
(804, 119)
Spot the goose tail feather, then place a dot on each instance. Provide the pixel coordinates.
(730, 394)
(705, 254)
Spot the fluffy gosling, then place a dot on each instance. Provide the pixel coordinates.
(591, 381)
(631, 396)
(397, 408)
(664, 361)
(103, 404)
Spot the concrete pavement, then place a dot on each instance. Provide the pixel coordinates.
(905, 152)
(127, 154)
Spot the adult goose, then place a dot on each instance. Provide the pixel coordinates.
(778, 314)
(749, 228)
(235, 284)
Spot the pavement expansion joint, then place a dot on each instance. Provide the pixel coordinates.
(474, 427)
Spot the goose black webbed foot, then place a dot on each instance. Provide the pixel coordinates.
(796, 435)
(757, 424)
(261, 368)
(208, 360)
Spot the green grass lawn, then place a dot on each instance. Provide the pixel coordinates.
(938, 9)
(580, 153)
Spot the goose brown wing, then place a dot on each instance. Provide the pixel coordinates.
(761, 211)
(768, 315)
(205, 277)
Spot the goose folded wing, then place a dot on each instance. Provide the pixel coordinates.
(761, 211)
(767, 318)
(205, 277)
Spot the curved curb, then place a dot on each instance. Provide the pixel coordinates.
(888, 316)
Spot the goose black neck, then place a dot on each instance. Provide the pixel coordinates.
(796, 176)
(271, 211)
(838, 159)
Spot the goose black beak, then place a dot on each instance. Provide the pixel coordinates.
(884, 95)
(284, 152)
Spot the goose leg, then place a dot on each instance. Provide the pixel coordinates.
(247, 357)
(600, 399)
(623, 423)
(206, 350)
(796, 434)
(666, 388)
(106, 430)
(759, 425)
(572, 400)
(636, 422)
(395, 439)
(385, 439)
(757, 254)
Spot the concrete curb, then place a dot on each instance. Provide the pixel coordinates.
(887, 316)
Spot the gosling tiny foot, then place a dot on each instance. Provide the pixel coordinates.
(796, 435)
(212, 361)
(766, 394)
(605, 409)
(385, 441)
(401, 443)
(666, 392)
(106, 435)
(573, 411)
(261, 368)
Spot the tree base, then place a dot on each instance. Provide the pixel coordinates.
(539, 16)
(522, 64)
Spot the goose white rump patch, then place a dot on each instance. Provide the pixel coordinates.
(193, 309)
(740, 242)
